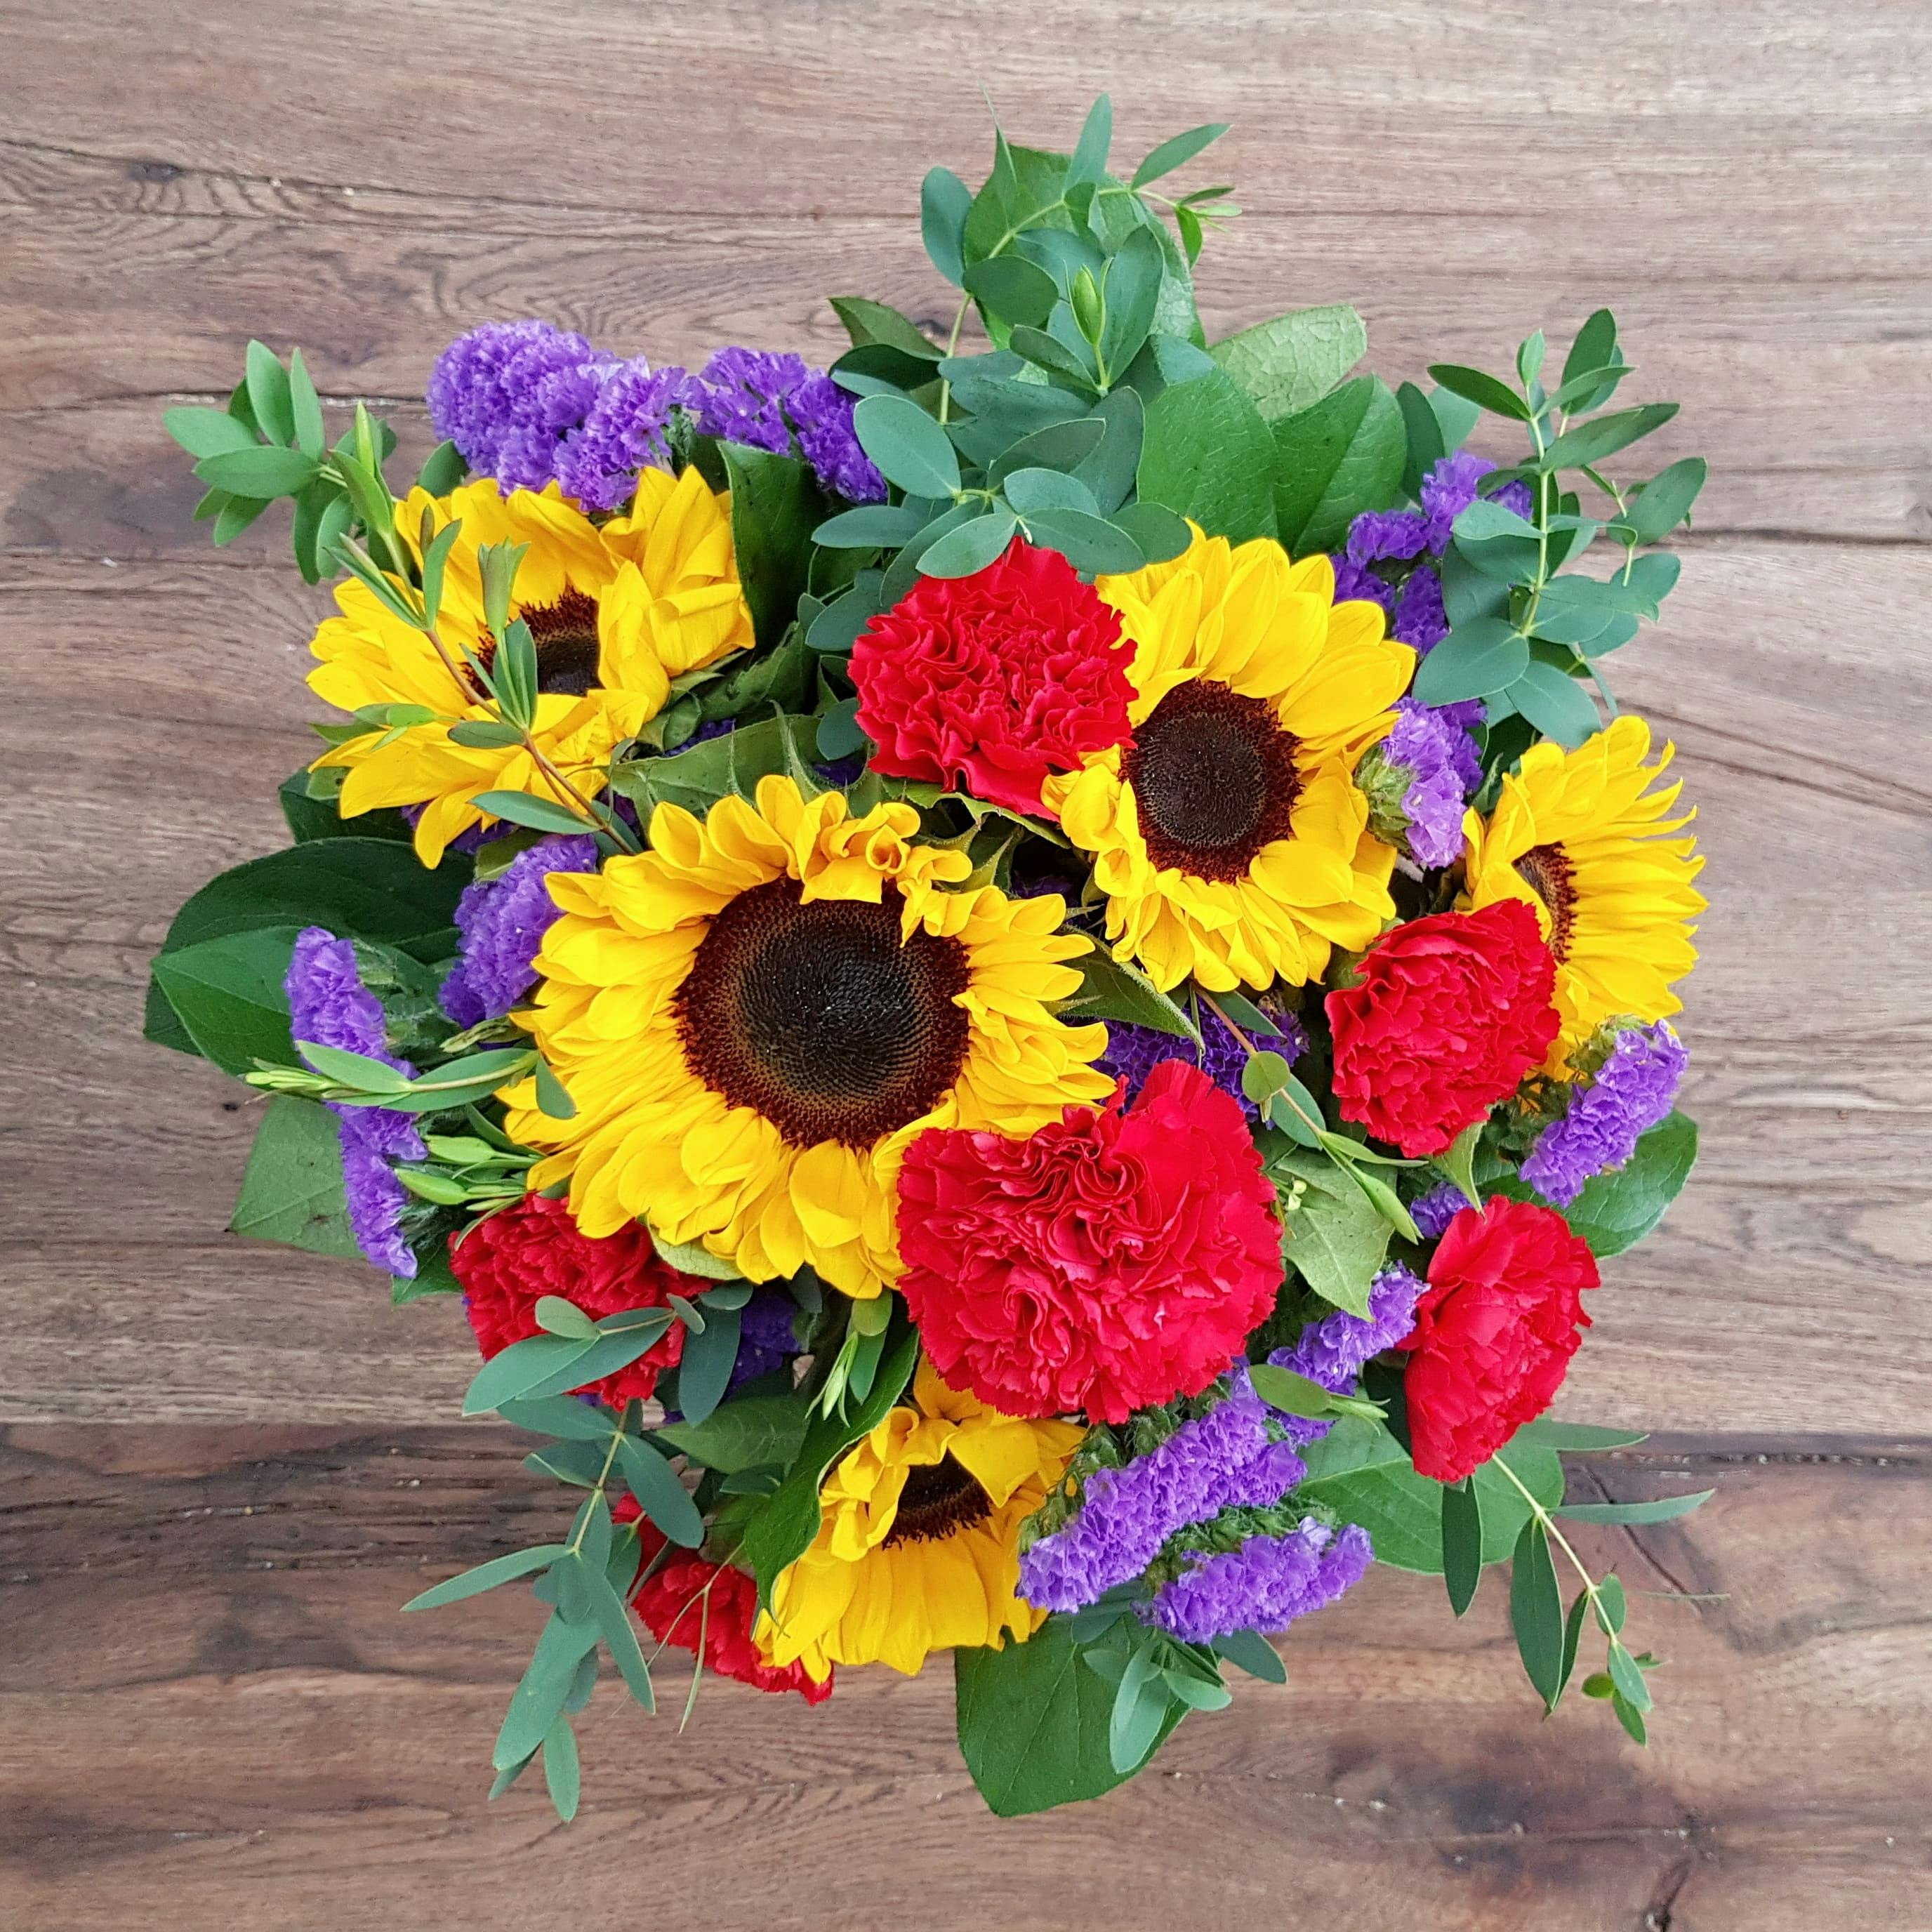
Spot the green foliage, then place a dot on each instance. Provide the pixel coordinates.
(753, 1432)
(1341, 456)
(227, 994)
(698, 778)
(1110, 989)
(291, 1190)
(1615, 1211)
(1335, 1239)
(1289, 364)
(1208, 455)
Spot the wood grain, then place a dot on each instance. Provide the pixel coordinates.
(224, 1475)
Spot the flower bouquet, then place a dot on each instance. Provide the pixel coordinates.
(1016, 984)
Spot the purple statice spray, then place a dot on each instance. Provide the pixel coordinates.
(627, 428)
(1229, 1458)
(502, 921)
(1634, 1088)
(1432, 1212)
(1134, 1052)
(329, 1005)
(768, 401)
(1264, 1585)
(1332, 1351)
(508, 393)
(1418, 779)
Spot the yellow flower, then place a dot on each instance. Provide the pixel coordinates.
(1580, 835)
(755, 1018)
(615, 611)
(918, 1548)
(1228, 834)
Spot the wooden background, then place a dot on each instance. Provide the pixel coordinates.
(223, 1467)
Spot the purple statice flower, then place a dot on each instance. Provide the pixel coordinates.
(1355, 580)
(1451, 487)
(1332, 1351)
(329, 1005)
(502, 921)
(1134, 1052)
(1432, 745)
(1228, 1458)
(765, 400)
(1432, 1212)
(624, 431)
(1420, 620)
(1264, 1585)
(766, 1340)
(1387, 536)
(1633, 1090)
(508, 393)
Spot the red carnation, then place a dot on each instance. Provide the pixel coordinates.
(1112, 1260)
(1494, 1332)
(508, 1263)
(993, 681)
(671, 1603)
(1450, 1013)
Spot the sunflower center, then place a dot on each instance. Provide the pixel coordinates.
(939, 1499)
(1547, 871)
(820, 1018)
(565, 634)
(1215, 778)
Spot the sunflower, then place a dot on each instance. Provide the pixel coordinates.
(757, 1016)
(1581, 836)
(615, 611)
(1227, 832)
(917, 1549)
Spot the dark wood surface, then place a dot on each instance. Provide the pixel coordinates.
(226, 1467)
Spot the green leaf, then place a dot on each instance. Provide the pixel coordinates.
(613, 1621)
(1665, 1509)
(1665, 501)
(1292, 1393)
(1615, 1211)
(204, 432)
(520, 1369)
(523, 808)
(1132, 290)
(1063, 446)
(443, 468)
(291, 1192)
(1627, 1676)
(1536, 1612)
(485, 734)
(1033, 1721)
(944, 202)
(1334, 461)
(268, 398)
(1612, 1609)
(1176, 153)
(1096, 137)
(553, 1099)
(1140, 1703)
(260, 473)
(775, 506)
(1461, 1543)
(1111, 990)
(872, 525)
(1478, 657)
(1578, 1437)
(1108, 470)
(1090, 543)
(660, 1495)
(1287, 365)
(753, 1432)
(1160, 534)
(908, 447)
(970, 547)
(1629, 1716)
(228, 994)
(782, 1530)
(1595, 347)
(557, 1316)
(498, 1570)
(1030, 490)
(1485, 391)
(1014, 289)
(1555, 703)
(1335, 1239)
(868, 322)
(560, 1768)
(697, 777)
(1588, 443)
(1249, 1651)
(1208, 454)
(705, 1369)
(309, 434)
(359, 1070)
(539, 1702)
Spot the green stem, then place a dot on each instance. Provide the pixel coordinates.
(1550, 1530)
(952, 347)
(597, 1489)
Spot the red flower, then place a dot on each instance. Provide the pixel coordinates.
(1450, 1013)
(687, 1594)
(1112, 1260)
(991, 682)
(508, 1262)
(1494, 1332)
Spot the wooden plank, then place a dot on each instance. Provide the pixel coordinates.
(212, 1699)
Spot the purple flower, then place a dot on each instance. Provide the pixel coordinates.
(1380, 536)
(329, 1005)
(1634, 1088)
(1264, 1585)
(1355, 580)
(766, 1340)
(1230, 1457)
(625, 431)
(1331, 1351)
(1432, 1212)
(507, 393)
(502, 921)
(1134, 1052)
(755, 396)
(1420, 621)
(1432, 746)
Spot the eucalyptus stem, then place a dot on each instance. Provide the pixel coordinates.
(597, 1487)
(1550, 1530)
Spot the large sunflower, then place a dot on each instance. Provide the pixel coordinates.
(1581, 836)
(615, 611)
(1227, 832)
(917, 1549)
(756, 1017)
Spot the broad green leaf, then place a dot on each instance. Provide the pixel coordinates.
(871, 526)
(908, 446)
(268, 398)
(1034, 1720)
(660, 1495)
(705, 1368)
(1108, 471)
(1615, 1211)
(228, 994)
(1555, 703)
(1251, 1651)
(523, 808)
(1579, 1438)
(775, 505)
(1588, 443)
(1482, 655)
(561, 1775)
(1207, 454)
(1665, 501)
(944, 201)
(1665, 1509)
(868, 322)
(1627, 1676)
(205, 432)
(753, 1432)
(1335, 459)
(968, 549)
(1111, 990)
(521, 1369)
(1289, 364)
(1335, 1239)
(1293, 1394)
(1092, 545)
(1176, 152)
(260, 474)
(1462, 1542)
(310, 435)
(498, 1570)
(1536, 1612)
(291, 1192)
(1011, 288)
(1486, 391)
